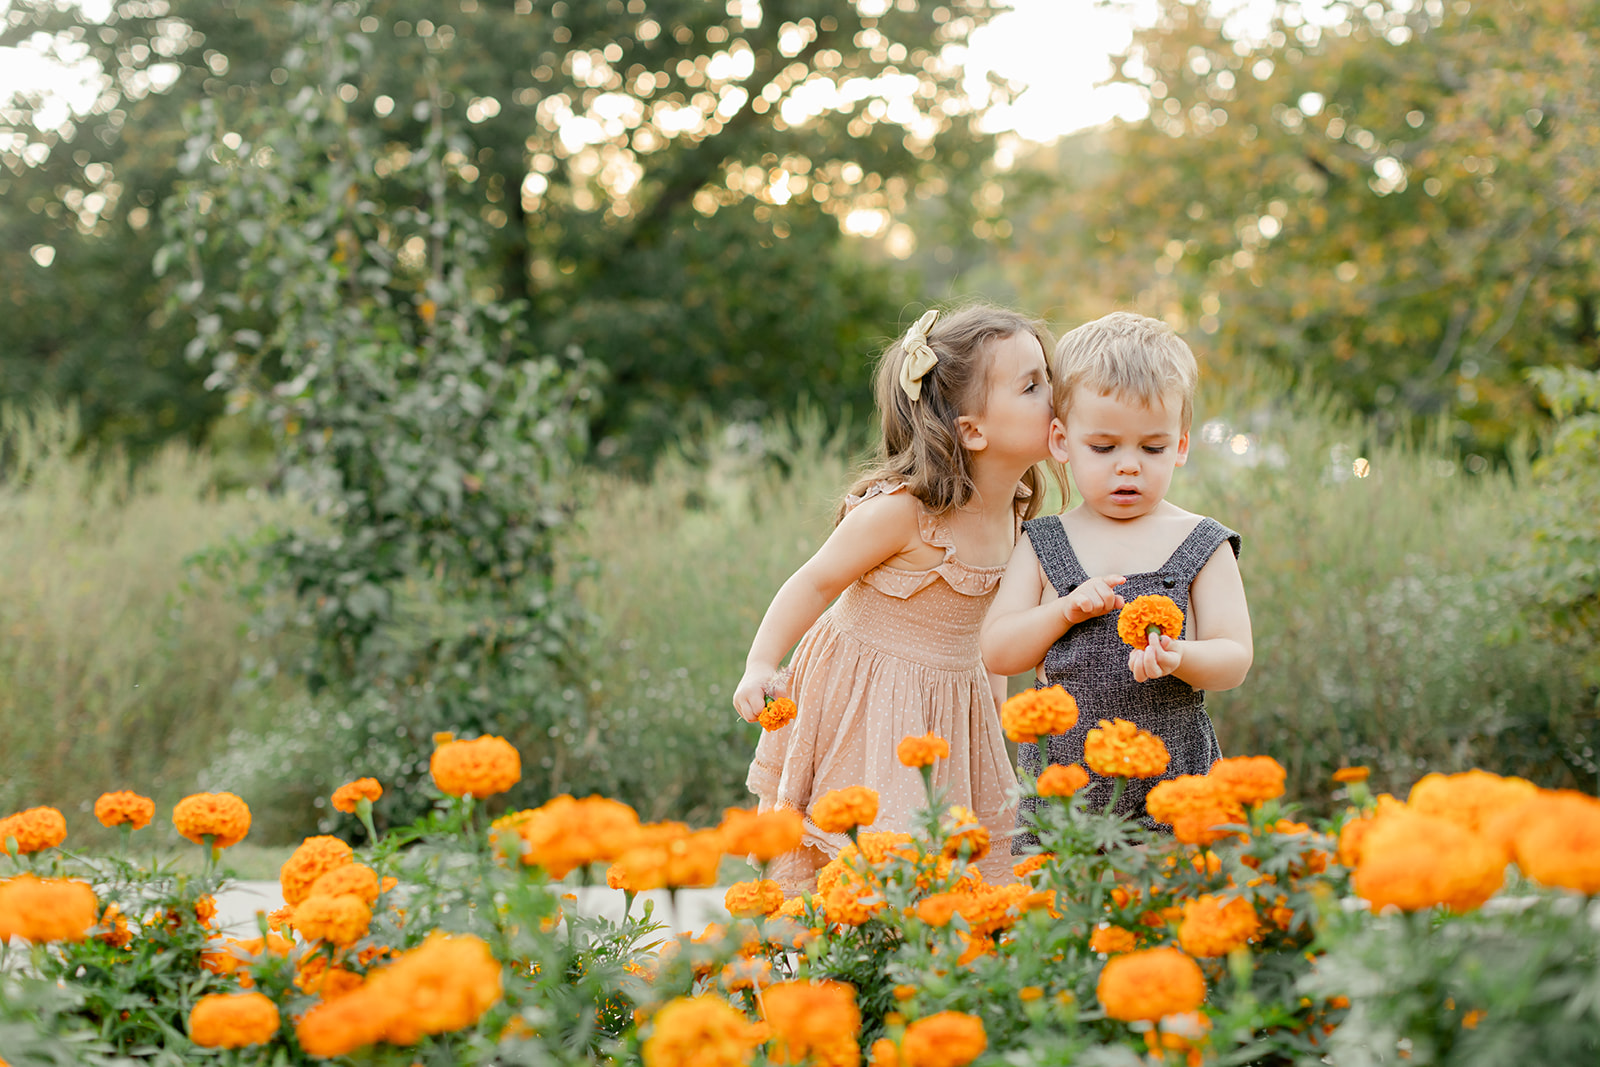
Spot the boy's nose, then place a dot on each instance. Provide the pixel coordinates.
(1128, 465)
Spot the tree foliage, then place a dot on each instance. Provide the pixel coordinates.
(1398, 198)
(663, 182)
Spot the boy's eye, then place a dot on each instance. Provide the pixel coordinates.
(1102, 449)
(1155, 450)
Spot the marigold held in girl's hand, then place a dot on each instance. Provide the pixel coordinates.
(1118, 747)
(1035, 713)
(777, 713)
(1143, 613)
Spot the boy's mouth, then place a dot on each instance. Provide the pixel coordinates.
(1125, 492)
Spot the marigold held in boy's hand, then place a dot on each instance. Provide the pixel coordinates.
(351, 794)
(843, 810)
(233, 1020)
(1144, 986)
(1118, 747)
(33, 830)
(478, 768)
(124, 809)
(223, 816)
(1141, 613)
(777, 713)
(948, 1039)
(922, 751)
(1036, 713)
(1062, 780)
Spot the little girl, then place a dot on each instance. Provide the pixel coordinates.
(917, 553)
(1124, 391)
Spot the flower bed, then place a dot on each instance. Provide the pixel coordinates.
(1230, 941)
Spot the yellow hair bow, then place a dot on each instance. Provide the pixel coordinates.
(919, 358)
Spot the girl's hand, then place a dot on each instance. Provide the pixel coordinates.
(1097, 596)
(1158, 659)
(749, 698)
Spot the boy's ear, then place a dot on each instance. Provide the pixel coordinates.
(1058, 441)
(970, 433)
(1183, 449)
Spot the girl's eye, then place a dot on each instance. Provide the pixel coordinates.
(1032, 387)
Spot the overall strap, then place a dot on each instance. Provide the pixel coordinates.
(1056, 558)
(1196, 551)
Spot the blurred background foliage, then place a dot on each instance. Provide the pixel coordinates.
(379, 367)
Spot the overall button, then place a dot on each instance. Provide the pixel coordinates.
(1169, 583)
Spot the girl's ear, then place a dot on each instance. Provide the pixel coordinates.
(970, 432)
(1183, 449)
(1058, 441)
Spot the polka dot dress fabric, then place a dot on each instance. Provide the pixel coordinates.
(896, 655)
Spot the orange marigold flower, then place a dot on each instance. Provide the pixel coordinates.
(566, 834)
(1556, 841)
(842, 810)
(46, 909)
(1352, 774)
(315, 857)
(340, 1026)
(948, 1039)
(1036, 713)
(478, 768)
(205, 909)
(222, 816)
(233, 1020)
(1415, 861)
(1062, 780)
(702, 1031)
(114, 928)
(1214, 926)
(1252, 779)
(851, 904)
(938, 909)
(1032, 863)
(1118, 747)
(777, 713)
(922, 751)
(1149, 984)
(355, 879)
(686, 861)
(1470, 800)
(1195, 806)
(33, 830)
(341, 920)
(1141, 613)
(762, 836)
(347, 796)
(1111, 940)
(746, 900)
(885, 1053)
(124, 808)
(813, 1023)
(968, 838)
(443, 985)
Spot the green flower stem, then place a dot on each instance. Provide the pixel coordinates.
(364, 813)
(1116, 793)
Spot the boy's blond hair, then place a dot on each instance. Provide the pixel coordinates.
(1128, 356)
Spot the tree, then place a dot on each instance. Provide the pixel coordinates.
(1397, 198)
(615, 151)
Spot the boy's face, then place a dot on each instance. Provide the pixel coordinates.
(1121, 452)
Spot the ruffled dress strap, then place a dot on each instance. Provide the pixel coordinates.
(903, 584)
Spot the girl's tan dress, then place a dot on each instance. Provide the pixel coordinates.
(896, 655)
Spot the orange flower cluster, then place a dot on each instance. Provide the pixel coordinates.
(668, 857)
(1032, 863)
(777, 713)
(842, 810)
(1347, 775)
(339, 920)
(1251, 779)
(565, 834)
(33, 830)
(1118, 747)
(948, 1039)
(478, 768)
(353, 879)
(1415, 861)
(704, 1031)
(443, 985)
(348, 796)
(1111, 940)
(46, 909)
(1555, 839)
(922, 751)
(1150, 984)
(762, 836)
(1470, 800)
(987, 909)
(233, 955)
(221, 816)
(1213, 926)
(1195, 806)
(969, 839)
(1062, 780)
(1141, 613)
(1036, 713)
(114, 928)
(813, 1023)
(315, 857)
(849, 903)
(124, 808)
(233, 1020)
(746, 900)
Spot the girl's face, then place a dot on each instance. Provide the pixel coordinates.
(1015, 423)
(1122, 454)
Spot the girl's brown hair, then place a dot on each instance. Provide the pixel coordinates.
(920, 445)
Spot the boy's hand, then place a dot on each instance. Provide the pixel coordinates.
(1097, 596)
(1156, 660)
(748, 698)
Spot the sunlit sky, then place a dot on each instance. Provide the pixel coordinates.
(1059, 49)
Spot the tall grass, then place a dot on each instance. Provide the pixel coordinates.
(118, 663)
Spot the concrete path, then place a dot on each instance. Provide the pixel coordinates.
(237, 906)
